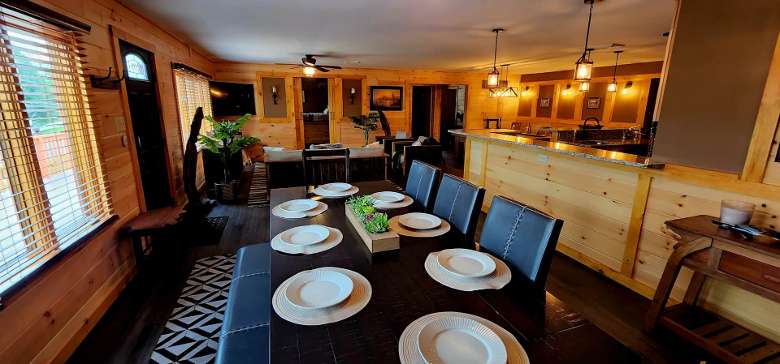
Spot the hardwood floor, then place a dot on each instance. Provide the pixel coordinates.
(129, 330)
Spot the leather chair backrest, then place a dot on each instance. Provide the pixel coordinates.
(421, 183)
(334, 167)
(459, 202)
(521, 236)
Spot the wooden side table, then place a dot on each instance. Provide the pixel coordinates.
(150, 223)
(724, 255)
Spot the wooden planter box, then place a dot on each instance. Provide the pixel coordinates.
(374, 242)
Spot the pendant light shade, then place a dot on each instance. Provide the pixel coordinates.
(506, 91)
(612, 87)
(583, 70)
(494, 76)
(585, 86)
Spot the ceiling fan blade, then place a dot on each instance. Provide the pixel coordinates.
(322, 69)
(333, 67)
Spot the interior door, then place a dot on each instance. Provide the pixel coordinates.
(422, 110)
(448, 114)
(141, 83)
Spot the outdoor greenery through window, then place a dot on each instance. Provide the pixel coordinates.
(192, 91)
(52, 187)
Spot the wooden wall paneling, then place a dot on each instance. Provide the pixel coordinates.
(545, 92)
(635, 226)
(298, 114)
(353, 105)
(335, 108)
(627, 102)
(526, 101)
(759, 152)
(772, 174)
(597, 89)
(565, 103)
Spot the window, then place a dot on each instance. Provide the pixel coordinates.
(52, 188)
(192, 91)
(136, 67)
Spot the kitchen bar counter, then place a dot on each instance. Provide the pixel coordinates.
(497, 135)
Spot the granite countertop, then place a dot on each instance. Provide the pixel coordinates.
(562, 147)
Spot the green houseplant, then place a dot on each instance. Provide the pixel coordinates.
(366, 123)
(363, 207)
(225, 140)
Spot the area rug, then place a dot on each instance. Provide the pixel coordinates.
(258, 188)
(191, 334)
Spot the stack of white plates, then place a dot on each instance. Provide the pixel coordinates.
(306, 239)
(467, 270)
(296, 209)
(321, 296)
(336, 189)
(391, 200)
(455, 337)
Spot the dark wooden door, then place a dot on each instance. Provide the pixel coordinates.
(448, 114)
(147, 126)
(422, 102)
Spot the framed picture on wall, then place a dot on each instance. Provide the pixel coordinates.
(594, 103)
(387, 98)
(545, 102)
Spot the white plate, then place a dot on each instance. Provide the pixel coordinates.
(299, 205)
(334, 238)
(388, 196)
(457, 339)
(318, 288)
(305, 235)
(332, 194)
(336, 187)
(466, 263)
(419, 221)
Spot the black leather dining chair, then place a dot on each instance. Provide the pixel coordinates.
(521, 236)
(421, 182)
(459, 202)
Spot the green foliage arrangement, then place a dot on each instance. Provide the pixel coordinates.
(225, 140)
(363, 207)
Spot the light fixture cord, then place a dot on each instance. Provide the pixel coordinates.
(495, 50)
(614, 70)
(587, 32)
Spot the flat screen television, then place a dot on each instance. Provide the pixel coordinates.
(231, 99)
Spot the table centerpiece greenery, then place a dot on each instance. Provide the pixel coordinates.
(363, 207)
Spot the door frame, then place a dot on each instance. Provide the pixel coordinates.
(118, 34)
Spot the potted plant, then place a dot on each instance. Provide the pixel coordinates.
(374, 222)
(366, 123)
(225, 140)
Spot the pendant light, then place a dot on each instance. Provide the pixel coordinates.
(504, 91)
(493, 76)
(584, 65)
(612, 87)
(584, 86)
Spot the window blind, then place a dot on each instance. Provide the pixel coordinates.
(52, 186)
(192, 91)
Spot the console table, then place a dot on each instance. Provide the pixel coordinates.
(724, 255)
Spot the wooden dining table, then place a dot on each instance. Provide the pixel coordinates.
(402, 291)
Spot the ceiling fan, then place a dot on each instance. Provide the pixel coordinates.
(310, 66)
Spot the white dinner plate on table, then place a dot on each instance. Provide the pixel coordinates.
(336, 187)
(419, 221)
(305, 235)
(456, 339)
(299, 205)
(466, 263)
(388, 196)
(320, 288)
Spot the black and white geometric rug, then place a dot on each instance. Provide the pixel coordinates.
(192, 332)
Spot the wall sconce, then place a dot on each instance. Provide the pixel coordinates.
(526, 91)
(274, 95)
(627, 87)
(352, 95)
(585, 86)
(566, 91)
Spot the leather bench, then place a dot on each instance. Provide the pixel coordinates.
(245, 328)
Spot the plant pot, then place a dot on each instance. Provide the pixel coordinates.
(226, 192)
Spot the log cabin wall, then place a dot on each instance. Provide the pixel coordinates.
(48, 318)
(568, 106)
(285, 131)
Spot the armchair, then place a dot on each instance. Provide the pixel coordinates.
(403, 152)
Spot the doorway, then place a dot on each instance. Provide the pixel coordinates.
(314, 100)
(141, 83)
(453, 110)
(422, 110)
